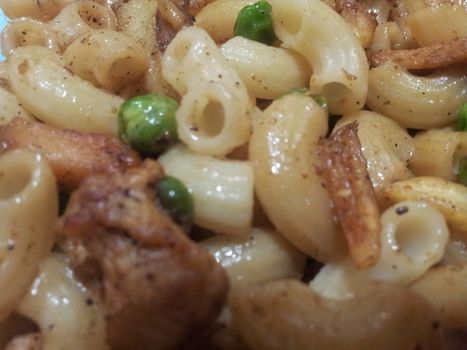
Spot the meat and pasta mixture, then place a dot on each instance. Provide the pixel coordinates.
(233, 175)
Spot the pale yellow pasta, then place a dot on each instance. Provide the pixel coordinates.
(445, 288)
(340, 67)
(222, 189)
(26, 31)
(448, 197)
(80, 17)
(28, 213)
(262, 256)
(63, 309)
(456, 252)
(435, 25)
(107, 58)
(218, 18)
(437, 153)
(419, 102)
(142, 31)
(385, 145)
(283, 150)
(214, 114)
(267, 72)
(389, 35)
(57, 97)
(413, 238)
(36, 9)
(10, 107)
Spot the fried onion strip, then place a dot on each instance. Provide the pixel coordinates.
(429, 57)
(342, 167)
(72, 155)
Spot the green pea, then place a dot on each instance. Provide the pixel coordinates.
(462, 118)
(254, 22)
(148, 123)
(174, 197)
(463, 171)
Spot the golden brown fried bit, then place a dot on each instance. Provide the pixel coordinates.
(357, 14)
(429, 57)
(345, 176)
(72, 155)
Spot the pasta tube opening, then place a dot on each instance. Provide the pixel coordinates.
(209, 117)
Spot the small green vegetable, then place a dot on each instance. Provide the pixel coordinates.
(321, 100)
(254, 22)
(463, 171)
(148, 123)
(175, 198)
(462, 118)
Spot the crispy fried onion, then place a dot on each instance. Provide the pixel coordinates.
(358, 15)
(342, 167)
(72, 155)
(428, 57)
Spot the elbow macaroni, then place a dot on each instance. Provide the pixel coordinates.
(42, 84)
(28, 212)
(340, 68)
(214, 114)
(222, 189)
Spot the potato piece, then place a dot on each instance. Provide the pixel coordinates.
(287, 315)
(72, 155)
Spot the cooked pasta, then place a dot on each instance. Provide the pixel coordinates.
(214, 115)
(437, 153)
(49, 91)
(26, 31)
(282, 151)
(263, 256)
(64, 311)
(268, 72)
(222, 189)
(28, 212)
(36, 9)
(107, 58)
(309, 154)
(218, 18)
(417, 102)
(340, 68)
(80, 17)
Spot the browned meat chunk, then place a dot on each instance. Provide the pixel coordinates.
(158, 287)
(72, 155)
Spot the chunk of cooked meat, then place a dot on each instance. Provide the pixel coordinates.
(342, 167)
(428, 57)
(158, 287)
(72, 155)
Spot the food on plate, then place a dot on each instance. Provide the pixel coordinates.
(233, 174)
